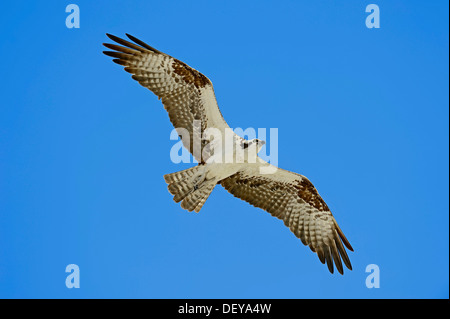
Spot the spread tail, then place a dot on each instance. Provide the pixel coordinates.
(190, 187)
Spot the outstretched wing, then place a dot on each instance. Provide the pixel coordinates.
(187, 95)
(293, 198)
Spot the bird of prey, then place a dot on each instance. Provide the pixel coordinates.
(189, 99)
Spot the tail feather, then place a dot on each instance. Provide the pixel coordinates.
(196, 199)
(180, 190)
(182, 185)
(181, 175)
(206, 193)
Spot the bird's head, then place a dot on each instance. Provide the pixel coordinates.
(257, 143)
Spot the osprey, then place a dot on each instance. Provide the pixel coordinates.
(188, 97)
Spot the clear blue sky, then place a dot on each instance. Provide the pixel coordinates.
(363, 113)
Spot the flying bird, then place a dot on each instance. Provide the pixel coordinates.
(189, 99)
